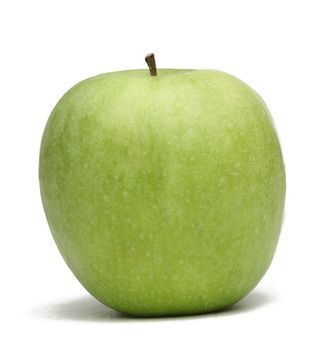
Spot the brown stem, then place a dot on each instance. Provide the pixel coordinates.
(150, 60)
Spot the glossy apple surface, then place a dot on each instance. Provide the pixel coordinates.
(164, 194)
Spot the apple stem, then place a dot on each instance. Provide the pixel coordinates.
(150, 60)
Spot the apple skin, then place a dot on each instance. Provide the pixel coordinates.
(164, 194)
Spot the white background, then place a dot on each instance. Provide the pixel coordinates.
(48, 46)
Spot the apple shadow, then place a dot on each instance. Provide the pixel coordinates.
(88, 309)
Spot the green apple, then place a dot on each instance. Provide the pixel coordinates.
(164, 193)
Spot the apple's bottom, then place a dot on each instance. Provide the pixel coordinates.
(134, 312)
